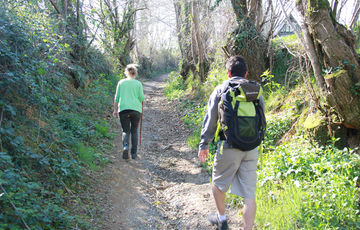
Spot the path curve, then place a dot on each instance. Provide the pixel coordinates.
(165, 188)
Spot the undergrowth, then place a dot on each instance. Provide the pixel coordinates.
(51, 132)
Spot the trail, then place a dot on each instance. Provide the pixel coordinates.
(165, 188)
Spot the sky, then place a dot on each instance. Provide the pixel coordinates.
(161, 19)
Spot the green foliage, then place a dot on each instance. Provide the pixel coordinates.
(245, 35)
(193, 82)
(355, 89)
(89, 156)
(290, 41)
(215, 77)
(274, 100)
(286, 65)
(193, 119)
(327, 177)
(102, 129)
(277, 126)
(174, 87)
(43, 118)
(269, 85)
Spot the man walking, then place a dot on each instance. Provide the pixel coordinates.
(232, 166)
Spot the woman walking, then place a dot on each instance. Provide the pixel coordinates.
(128, 104)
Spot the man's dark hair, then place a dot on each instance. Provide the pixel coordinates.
(237, 66)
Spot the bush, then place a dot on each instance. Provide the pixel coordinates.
(174, 86)
(43, 118)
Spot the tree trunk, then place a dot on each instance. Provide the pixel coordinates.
(199, 44)
(240, 8)
(246, 40)
(334, 50)
(183, 28)
(340, 97)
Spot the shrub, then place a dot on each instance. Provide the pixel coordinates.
(174, 87)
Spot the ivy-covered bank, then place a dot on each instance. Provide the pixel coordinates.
(53, 123)
(305, 179)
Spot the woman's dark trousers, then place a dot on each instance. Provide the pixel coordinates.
(129, 120)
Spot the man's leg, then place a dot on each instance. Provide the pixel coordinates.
(219, 219)
(219, 199)
(249, 211)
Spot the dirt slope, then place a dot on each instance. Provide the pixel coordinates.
(164, 188)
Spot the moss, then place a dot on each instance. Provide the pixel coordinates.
(314, 120)
(318, 4)
(313, 6)
(335, 74)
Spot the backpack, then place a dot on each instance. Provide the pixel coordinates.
(241, 116)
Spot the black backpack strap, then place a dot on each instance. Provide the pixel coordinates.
(262, 114)
(224, 88)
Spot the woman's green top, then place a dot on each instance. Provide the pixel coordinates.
(129, 95)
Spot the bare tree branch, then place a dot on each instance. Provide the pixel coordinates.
(55, 6)
(355, 17)
(102, 21)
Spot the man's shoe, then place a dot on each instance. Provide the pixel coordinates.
(126, 154)
(214, 220)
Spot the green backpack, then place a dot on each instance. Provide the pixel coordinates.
(242, 120)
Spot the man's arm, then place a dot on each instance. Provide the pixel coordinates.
(209, 125)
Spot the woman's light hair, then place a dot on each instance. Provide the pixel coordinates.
(131, 70)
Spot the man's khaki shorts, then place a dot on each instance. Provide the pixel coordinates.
(236, 168)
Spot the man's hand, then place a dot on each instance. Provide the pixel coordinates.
(203, 154)
(115, 114)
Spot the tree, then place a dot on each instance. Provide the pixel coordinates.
(70, 13)
(246, 39)
(183, 27)
(118, 20)
(331, 47)
(192, 37)
(197, 41)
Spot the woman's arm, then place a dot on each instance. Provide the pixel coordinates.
(116, 101)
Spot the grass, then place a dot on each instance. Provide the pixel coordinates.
(278, 205)
(87, 155)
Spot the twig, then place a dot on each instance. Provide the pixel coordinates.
(55, 6)
(15, 208)
(225, 51)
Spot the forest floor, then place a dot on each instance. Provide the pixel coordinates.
(165, 187)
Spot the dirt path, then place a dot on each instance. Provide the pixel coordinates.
(164, 188)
